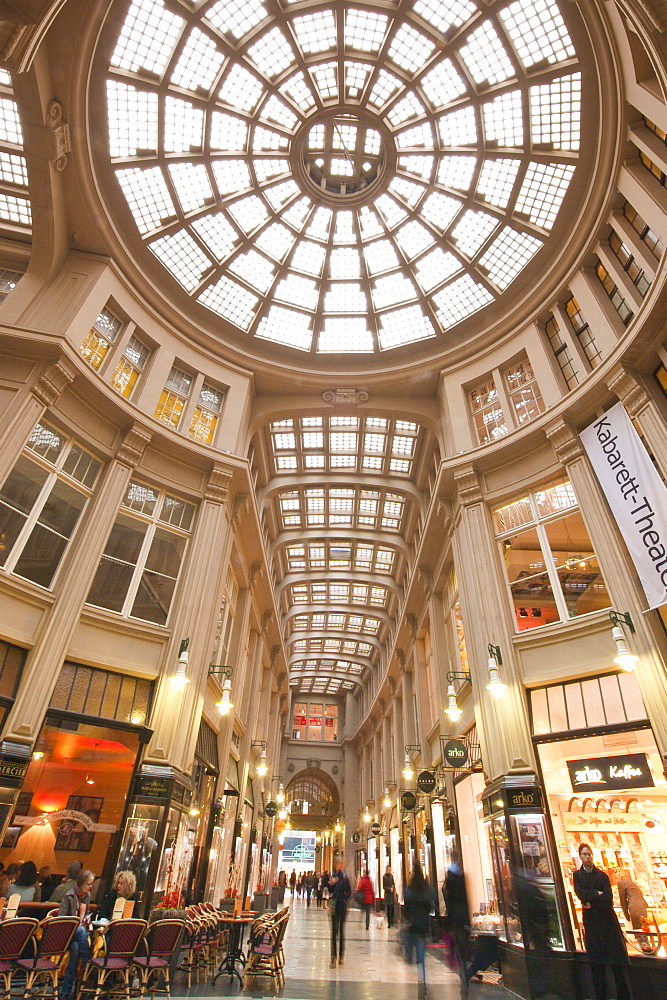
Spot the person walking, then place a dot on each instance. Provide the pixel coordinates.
(339, 895)
(389, 891)
(76, 903)
(603, 938)
(292, 882)
(322, 883)
(458, 918)
(366, 894)
(418, 903)
(311, 884)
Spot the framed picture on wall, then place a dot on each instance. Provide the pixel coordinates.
(73, 835)
(12, 834)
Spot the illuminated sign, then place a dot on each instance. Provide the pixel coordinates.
(599, 774)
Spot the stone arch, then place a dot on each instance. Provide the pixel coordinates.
(315, 790)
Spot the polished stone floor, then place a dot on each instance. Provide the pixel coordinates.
(373, 969)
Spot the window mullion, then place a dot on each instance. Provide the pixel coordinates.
(138, 570)
(30, 521)
(552, 573)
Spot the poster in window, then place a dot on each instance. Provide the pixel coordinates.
(139, 843)
(532, 846)
(73, 834)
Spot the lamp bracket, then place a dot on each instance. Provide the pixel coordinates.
(413, 747)
(183, 646)
(458, 675)
(258, 743)
(494, 651)
(622, 618)
(220, 670)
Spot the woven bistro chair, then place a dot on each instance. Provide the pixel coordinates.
(121, 940)
(265, 952)
(14, 935)
(161, 941)
(49, 950)
(194, 958)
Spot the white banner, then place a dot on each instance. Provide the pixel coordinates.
(71, 815)
(636, 494)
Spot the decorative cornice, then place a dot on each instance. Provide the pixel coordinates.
(469, 486)
(241, 507)
(59, 136)
(219, 483)
(345, 397)
(411, 622)
(631, 393)
(565, 442)
(255, 575)
(132, 447)
(444, 509)
(267, 618)
(400, 656)
(53, 381)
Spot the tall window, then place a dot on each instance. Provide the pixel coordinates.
(8, 281)
(487, 412)
(561, 353)
(139, 568)
(174, 397)
(130, 367)
(644, 231)
(551, 567)
(613, 293)
(583, 332)
(100, 337)
(524, 392)
(624, 254)
(206, 415)
(307, 719)
(41, 503)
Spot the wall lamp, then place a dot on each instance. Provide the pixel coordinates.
(408, 771)
(261, 768)
(624, 658)
(280, 794)
(225, 705)
(386, 801)
(367, 815)
(495, 685)
(179, 679)
(453, 710)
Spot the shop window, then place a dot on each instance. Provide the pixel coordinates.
(174, 397)
(524, 392)
(552, 570)
(102, 693)
(130, 367)
(12, 659)
(299, 720)
(487, 413)
(139, 568)
(644, 231)
(8, 281)
(100, 337)
(206, 415)
(561, 353)
(41, 503)
(583, 332)
(624, 254)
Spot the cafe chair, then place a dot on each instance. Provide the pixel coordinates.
(194, 955)
(265, 951)
(159, 944)
(49, 951)
(14, 936)
(121, 940)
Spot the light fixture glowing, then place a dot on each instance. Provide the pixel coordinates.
(225, 705)
(38, 754)
(367, 815)
(262, 768)
(280, 795)
(288, 825)
(194, 811)
(452, 710)
(338, 827)
(89, 780)
(282, 814)
(495, 685)
(386, 802)
(408, 770)
(180, 678)
(624, 658)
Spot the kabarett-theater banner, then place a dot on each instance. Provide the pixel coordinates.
(636, 494)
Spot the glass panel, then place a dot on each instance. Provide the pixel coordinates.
(331, 723)
(590, 691)
(611, 699)
(557, 715)
(153, 598)
(532, 594)
(538, 704)
(81, 466)
(114, 574)
(632, 697)
(62, 509)
(46, 441)
(12, 659)
(23, 485)
(575, 706)
(11, 523)
(166, 552)
(578, 570)
(40, 556)
(299, 721)
(315, 722)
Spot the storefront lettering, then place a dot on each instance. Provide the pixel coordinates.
(626, 772)
(588, 774)
(608, 773)
(604, 821)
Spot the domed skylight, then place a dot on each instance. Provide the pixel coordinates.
(344, 179)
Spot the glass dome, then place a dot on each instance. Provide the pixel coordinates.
(346, 178)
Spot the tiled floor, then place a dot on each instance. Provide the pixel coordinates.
(373, 968)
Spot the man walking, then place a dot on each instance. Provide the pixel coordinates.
(339, 893)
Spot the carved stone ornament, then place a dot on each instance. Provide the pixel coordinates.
(565, 441)
(469, 486)
(52, 382)
(633, 395)
(219, 483)
(267, 618)
(59, 135)
(345, 397)
(241, 507)
(133, 445)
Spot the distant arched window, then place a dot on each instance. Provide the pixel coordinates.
(310, 796)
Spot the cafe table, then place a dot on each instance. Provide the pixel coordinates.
(236, 926)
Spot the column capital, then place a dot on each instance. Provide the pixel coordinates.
(54, 380)
(241, 507)
(624, 384)
(565, 441)
(131, 449)
(219, 484)
(468, 485)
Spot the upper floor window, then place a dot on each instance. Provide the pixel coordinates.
(561, 353)
(487, 412)
(637, 275)
(8, 281)
(100, 337)
(206, 415)
(524, 392)
(41, 503)
(613, 293)
(644, 231)
(174, 397)
(315, 721)
(583, 332)
(130, 367)
(139, 568)
(552, 570)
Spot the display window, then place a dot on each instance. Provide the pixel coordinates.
(608, 790)
(474, 845)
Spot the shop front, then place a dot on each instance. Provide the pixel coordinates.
(605, 786)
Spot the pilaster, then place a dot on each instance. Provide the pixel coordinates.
(642, 407)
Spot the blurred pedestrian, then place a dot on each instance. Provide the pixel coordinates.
(389, 890)
(311, 886)
(292, 883)
(634, 907)
(366, 896)
(603, 938)
(418, 903)
(322, 883)
(458, 918)
(339, 894)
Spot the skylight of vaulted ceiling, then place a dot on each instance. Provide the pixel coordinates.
(331, 646)
(338, 592)
(213, 112)
(15, 207)
(351, 556)
(341, 507)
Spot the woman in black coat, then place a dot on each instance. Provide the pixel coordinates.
(602, 932)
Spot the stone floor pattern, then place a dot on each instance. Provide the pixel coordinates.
(373, 968)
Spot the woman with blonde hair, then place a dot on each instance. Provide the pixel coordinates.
(124, 886)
